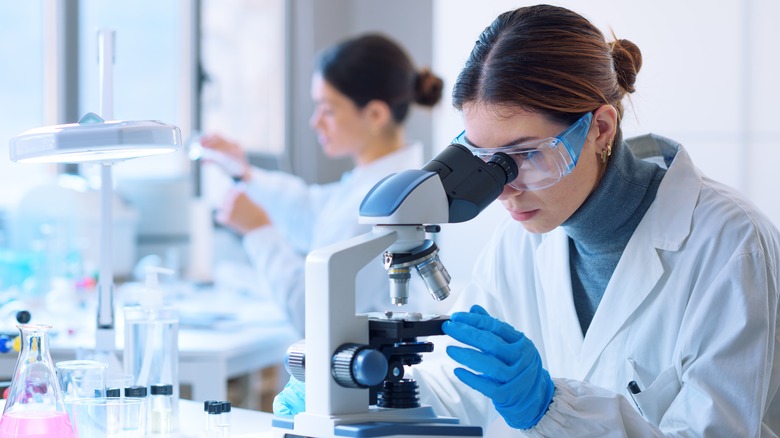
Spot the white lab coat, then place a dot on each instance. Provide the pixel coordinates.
(307, 217)
(690, 313)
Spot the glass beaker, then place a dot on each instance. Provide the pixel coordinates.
(35, 406)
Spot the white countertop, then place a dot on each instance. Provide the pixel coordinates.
(244, 423)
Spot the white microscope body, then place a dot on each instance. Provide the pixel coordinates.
(339, 364)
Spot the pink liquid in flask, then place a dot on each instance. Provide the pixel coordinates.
(36, 424)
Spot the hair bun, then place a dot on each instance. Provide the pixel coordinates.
(627, 59)
(428, 88)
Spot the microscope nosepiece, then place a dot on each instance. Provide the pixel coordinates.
(425, 260)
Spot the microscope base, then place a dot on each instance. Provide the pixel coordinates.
(396, 423)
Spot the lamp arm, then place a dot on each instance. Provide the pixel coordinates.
(105, 316)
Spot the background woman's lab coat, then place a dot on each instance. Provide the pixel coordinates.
(690, 314)
(307, 217)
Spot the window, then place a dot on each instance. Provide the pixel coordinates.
(21, 91)
(50, 75)
(151, 71)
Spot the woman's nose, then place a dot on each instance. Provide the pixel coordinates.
(508, 192)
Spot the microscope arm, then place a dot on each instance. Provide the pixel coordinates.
(331, 320)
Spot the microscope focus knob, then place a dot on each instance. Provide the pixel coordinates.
(295, 360)
(358, 366)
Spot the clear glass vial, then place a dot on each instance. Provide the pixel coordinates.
(161, 409)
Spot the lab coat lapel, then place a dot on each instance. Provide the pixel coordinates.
(563, 335)
(665, 227)
(634, 278)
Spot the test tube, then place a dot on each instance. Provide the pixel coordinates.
(206, 405)
(113, 414)
(137, 391)
(215, 410)
(223, 421)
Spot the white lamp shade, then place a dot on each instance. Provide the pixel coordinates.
(93, 139)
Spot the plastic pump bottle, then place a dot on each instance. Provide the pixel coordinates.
(151, 352)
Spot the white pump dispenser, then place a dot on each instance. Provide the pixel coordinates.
(151, 352)
(152, 296)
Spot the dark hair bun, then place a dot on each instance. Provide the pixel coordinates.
(627, 59)
(428, 88)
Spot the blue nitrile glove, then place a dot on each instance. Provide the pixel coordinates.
(511, 369)
(292, 399)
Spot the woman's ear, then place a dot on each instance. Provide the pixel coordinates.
(377, 113)
(606, 122)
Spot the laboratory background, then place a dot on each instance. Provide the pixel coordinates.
(243, 68)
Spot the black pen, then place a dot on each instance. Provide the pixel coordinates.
(633, 388)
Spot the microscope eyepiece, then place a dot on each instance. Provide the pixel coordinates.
(507, 164)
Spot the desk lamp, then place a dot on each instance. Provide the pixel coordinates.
(96, 139)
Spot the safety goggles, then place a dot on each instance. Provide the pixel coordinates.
(540, 163)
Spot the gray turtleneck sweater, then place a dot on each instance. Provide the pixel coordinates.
(600, 229)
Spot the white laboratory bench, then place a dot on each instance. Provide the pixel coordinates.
(247, 334)
(244, 423)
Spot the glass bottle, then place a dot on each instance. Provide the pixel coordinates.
(35, 406)
(161, 409)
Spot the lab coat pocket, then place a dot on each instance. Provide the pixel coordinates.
(655, 400)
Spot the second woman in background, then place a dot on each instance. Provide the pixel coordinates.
(362, 89)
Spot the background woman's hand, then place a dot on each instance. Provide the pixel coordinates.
(241, 213)
(226, 154)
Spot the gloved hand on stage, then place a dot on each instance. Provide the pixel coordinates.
(509, 369)
(292, 399)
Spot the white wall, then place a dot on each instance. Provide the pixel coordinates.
(707, 80)
(316, 24)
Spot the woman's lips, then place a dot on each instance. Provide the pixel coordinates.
(523, 216)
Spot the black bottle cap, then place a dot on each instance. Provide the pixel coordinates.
(215, 407)
(113, 392)
(206, 404)
(135, 391)
(23, 317)
(226, 406)
(161, 389)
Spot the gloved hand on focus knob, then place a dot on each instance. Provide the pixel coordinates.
(510, 369)
(292, 399)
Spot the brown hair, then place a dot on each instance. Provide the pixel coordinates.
(373, 67)
(548, 60)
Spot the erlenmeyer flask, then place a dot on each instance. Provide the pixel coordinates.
(35, 407)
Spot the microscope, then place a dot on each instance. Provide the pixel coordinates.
(353, 364)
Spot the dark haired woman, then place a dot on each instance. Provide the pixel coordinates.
(363, 89)
(626, 294)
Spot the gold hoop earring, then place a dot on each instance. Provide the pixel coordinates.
(606, 152)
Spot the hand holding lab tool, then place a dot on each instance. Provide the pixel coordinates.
(292, 399)
(241, 213)
(510, 368)
(228, 155)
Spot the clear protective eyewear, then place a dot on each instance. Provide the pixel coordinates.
(540, 163)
